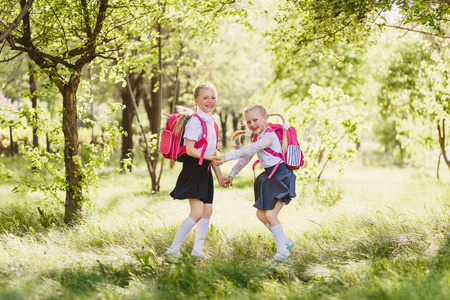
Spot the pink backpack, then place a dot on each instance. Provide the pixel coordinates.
(171, 145)
(293, 158)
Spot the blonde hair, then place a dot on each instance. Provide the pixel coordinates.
(206, 85)
(187, 112)
(262, 110)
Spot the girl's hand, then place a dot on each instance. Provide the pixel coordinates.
(219, 160)
(230, 180)
(223, 181)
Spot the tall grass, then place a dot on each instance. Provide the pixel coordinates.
(373, 233)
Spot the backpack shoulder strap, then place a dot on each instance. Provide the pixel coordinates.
(216, 127)
(204, 129)
(203, 141)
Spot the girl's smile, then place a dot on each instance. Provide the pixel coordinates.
(256, 123)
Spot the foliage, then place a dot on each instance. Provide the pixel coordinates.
(307, 27)
(413, 97)
(396, 71)
(47, 167)
(330, 129)
(434, 83)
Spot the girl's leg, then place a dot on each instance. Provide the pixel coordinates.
(186, 226)
(272, 215)
(277, 228)
(197, 208)
(202, 230)
(261, 214)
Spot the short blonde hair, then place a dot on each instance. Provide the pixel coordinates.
(206, 85)
(262, 110)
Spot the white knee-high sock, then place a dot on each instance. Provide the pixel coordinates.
(279, 236)
(268, 227)
(182, 232)
(200, 236)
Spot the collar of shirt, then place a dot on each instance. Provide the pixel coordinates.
(263, 132)
(205, 117)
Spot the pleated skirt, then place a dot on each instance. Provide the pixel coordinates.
(195, 181)
(281, 186)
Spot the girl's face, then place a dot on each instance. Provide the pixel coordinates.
(255, 121)
(206, 100)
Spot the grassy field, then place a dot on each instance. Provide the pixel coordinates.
(374, 233)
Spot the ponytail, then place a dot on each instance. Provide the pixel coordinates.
(284, 143)
(236, 136)
(186, 114)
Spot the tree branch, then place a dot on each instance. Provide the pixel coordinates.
(54, 59)
(89, 48)
(100, 17)
(86, 19)
(16, 20)
(418, 31)
(11, 58)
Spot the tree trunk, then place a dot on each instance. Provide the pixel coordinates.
(442, 142)
(33, 89)
(236, 124)
(74, 194)
(438, 164)
(137, 87)
(223, 124)
(155, 123)
(127, 123)
(11, 141)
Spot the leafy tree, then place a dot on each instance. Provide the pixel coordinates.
(330, 126)
(434, 85)
(305, 27)
(397, 74)
(70, 35)
(7, 30)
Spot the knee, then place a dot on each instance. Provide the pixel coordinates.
(207, 212)
(271, 216)
(261, 215)
(195, 216)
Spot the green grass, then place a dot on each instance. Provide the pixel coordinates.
(374, 233)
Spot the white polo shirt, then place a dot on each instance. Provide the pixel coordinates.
(193, 130)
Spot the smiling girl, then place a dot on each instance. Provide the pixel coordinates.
(195, 181)
(271, 192)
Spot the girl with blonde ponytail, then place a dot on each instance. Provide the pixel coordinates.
(195, 181)
(272, 191)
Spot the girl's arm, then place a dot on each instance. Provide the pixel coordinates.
(240, 165)
(245, 154)
(248, 151)
(223, 181)
(192, 151)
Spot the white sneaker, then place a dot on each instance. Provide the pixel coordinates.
(290, 244)
(280, 257)
(174, 253)
(199, 255)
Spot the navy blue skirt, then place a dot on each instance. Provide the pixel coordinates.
(280, 187)
(195, 181)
